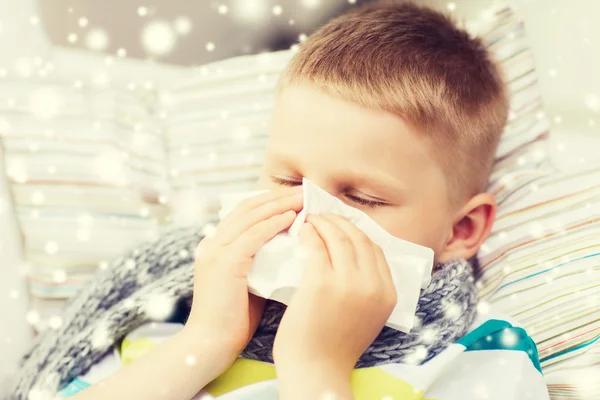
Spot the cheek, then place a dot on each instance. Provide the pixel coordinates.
(423, 227)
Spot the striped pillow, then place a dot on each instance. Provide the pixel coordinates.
(85, 168)
(541, 265)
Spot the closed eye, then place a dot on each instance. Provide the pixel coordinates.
(359, 200)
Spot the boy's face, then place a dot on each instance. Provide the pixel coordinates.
(369, 159)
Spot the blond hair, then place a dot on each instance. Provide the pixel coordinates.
(416, 63)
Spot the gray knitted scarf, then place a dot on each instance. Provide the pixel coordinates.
(116, 303)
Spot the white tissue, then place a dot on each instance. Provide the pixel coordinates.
(277, 268)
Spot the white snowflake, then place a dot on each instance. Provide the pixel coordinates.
(159, 307)
(429, 335)
(85, 220)
(23, 67)
(158, 38)
(55, 322)
(329, 396)
(101, 336)
(509, 338)
(453, 311)
(33, 147)
(45, 103)
(182, 25)
(16, 170)
(483, 307)
(190, 360)
(100, 78)
(311, 3)
(250, 10)
(37, 394)
(417, 356)
(33, 317)
(536, 230)
(183, 253)
(83, 22)
(277, 10)
(209, 230)
(83, 235)
(592, 101)
(96, 39)
(481, 392)
(108, 167)
(37, 197)
(51, 247)
(59, 276)
(142, 11)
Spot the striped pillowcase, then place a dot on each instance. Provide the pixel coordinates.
(522, 151)
(541, 265)
(85, 168)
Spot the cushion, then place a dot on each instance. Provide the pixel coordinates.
(541, 265)
(84, 168)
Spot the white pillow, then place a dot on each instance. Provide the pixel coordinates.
(541, 265)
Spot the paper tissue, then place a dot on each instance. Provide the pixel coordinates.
(277, 267)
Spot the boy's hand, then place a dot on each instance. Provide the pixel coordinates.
(223, 313)
(343, 302)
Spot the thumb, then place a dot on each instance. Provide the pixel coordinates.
(313, 245)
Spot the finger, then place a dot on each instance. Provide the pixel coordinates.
(339, 247)
(235, 225)
(253, 202)
(383, 267)
(316, 250)
(263, 198)
(362, 244)
(249, 242)
(256, 307)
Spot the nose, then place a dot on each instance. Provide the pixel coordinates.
(324, 183)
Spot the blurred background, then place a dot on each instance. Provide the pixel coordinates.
(564, 34)
(110, 56)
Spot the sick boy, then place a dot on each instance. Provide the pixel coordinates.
(395, 111)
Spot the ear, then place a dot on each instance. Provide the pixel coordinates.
(471, 229)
